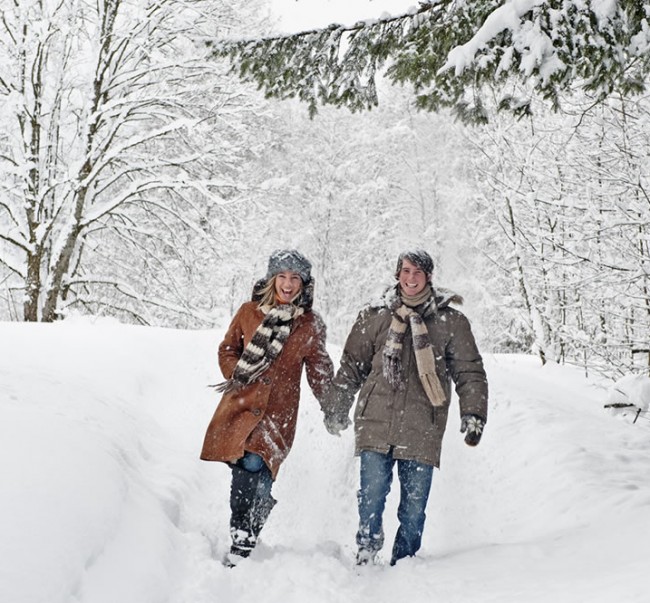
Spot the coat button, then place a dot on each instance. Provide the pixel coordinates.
(266, 381)
(257, 412)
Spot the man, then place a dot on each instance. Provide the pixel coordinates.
(402, 353)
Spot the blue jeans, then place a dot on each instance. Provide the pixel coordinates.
(375, 482)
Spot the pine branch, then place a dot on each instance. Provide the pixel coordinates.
(332, 66)
(451, 51)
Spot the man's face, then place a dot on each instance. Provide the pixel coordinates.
(412, 279)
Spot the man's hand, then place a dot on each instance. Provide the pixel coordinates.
(473, 425)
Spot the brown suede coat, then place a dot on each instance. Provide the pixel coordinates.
(261, 417)
(404, 419)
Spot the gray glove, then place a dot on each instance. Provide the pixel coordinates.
(473, 425)
(336, 423)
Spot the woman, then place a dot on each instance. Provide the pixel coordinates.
(261, 356)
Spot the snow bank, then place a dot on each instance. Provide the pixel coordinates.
(104, 498)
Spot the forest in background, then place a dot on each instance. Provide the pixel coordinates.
(140, 179)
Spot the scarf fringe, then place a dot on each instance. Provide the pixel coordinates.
(224, 386)
(392, 370)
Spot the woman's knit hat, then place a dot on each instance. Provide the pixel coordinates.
(419, 258)
(289, 259)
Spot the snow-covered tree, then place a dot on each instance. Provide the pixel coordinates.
(568, 195)
(452, 50)
(354, 190)
(120, 150)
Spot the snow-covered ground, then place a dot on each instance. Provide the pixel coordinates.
(104, 499)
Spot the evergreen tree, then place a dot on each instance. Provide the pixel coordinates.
(452, 50)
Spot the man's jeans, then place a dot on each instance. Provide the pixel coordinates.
(415, 484)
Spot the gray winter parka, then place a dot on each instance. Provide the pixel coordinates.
(405, 419)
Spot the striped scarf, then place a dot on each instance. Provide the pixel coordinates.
(264, 347)
(403, 317)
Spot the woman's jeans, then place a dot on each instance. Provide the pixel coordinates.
(415, 485)
(250, 501)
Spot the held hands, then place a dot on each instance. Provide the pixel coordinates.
(336, 405)
(336, 423)
(473, 425)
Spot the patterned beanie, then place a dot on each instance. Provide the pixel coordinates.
(419, 258)
(291, 260)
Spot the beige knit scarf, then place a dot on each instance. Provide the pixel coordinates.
(404, 316)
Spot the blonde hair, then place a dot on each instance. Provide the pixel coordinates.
(267, 293)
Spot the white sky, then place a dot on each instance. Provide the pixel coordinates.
(307, 14)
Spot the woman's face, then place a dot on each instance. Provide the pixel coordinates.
(287, 286)
(412, 279)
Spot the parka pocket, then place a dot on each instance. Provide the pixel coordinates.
(364, 405)
(375, 405)
(363, 401)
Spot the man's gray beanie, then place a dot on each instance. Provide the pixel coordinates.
(289, 259)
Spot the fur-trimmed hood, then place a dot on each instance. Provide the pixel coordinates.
(305, 301)
(441, 298)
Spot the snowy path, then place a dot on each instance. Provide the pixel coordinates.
(104, 498)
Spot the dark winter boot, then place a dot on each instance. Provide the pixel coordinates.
(261, 510)
(242, 496)
(242, 545)
(250, 505)
(366, 557)
(236, 554)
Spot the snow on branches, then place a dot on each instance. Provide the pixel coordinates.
(452, 50)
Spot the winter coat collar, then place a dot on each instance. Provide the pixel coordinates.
(440, 299)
